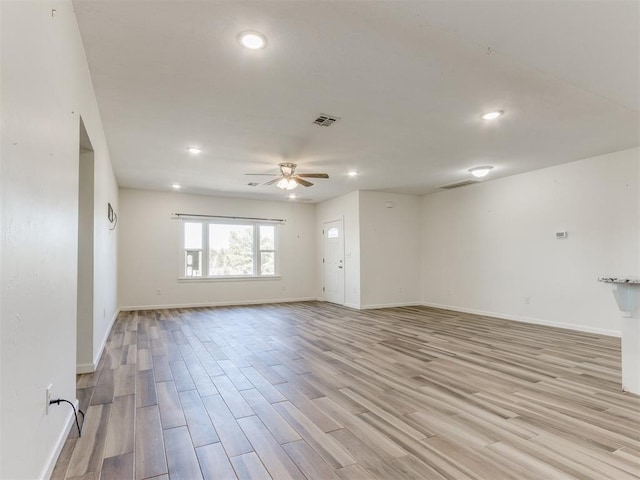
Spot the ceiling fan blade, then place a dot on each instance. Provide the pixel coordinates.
(271, 182)
(313, 175)
(297, 179)
(265, 174)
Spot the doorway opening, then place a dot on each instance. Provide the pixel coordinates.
(86, 185)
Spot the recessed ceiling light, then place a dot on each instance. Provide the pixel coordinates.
(176, 186)
(194, 150)
(292, 196)
(352, 173)
(252, 40)
(480, 171)
(492, 115)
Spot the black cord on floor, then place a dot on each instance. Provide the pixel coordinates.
(57, 402)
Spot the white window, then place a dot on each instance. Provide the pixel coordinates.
(193, 249)
(217, 249)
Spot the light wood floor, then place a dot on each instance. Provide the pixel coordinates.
(311, 390)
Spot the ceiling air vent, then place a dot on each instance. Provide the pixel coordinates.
(463, 183)
(325, 120)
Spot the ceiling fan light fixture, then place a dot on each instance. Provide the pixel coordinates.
(194, 150)
(492, 115)
(287, 184)
(176, 186)
(252, 40)
(288, 178)
(480, 172)
(352, 173)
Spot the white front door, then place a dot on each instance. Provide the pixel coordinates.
(333, 262)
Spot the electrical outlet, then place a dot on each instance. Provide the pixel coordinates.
(48, 394)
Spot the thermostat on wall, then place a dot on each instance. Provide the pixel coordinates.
(562, 234)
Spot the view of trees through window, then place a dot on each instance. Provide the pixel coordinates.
(233, 249)
(230, 249)
(267, 250)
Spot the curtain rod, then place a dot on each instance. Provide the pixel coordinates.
(195, 215)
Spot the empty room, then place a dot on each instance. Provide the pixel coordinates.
(394, 240)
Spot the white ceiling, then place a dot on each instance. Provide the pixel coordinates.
(409, 81)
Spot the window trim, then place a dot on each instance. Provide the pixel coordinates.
(205, 277)
(229, 278)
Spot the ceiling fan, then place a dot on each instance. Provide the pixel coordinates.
(288, 179)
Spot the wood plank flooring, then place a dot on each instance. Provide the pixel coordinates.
(316, 391)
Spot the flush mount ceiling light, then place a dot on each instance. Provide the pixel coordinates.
(176, 186)
(252, 40)
(492, 115)
(480, 171)
(352, 173)
(287, 184)
(194, 150)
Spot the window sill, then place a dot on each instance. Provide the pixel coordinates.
(228, 279)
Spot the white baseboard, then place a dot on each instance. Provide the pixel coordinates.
(59, 445)
(352, 306)
(98, 355)
(132, 308)
(390, 305)
(91, 367)
(355, 306)
(535, 321)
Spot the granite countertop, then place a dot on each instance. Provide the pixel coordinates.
(619, 280)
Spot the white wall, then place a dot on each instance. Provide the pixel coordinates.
(2, 148)
(46, 87)
(389, 249)
(149, 255)
(488, 248)
(105, 254)
(345, 207)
